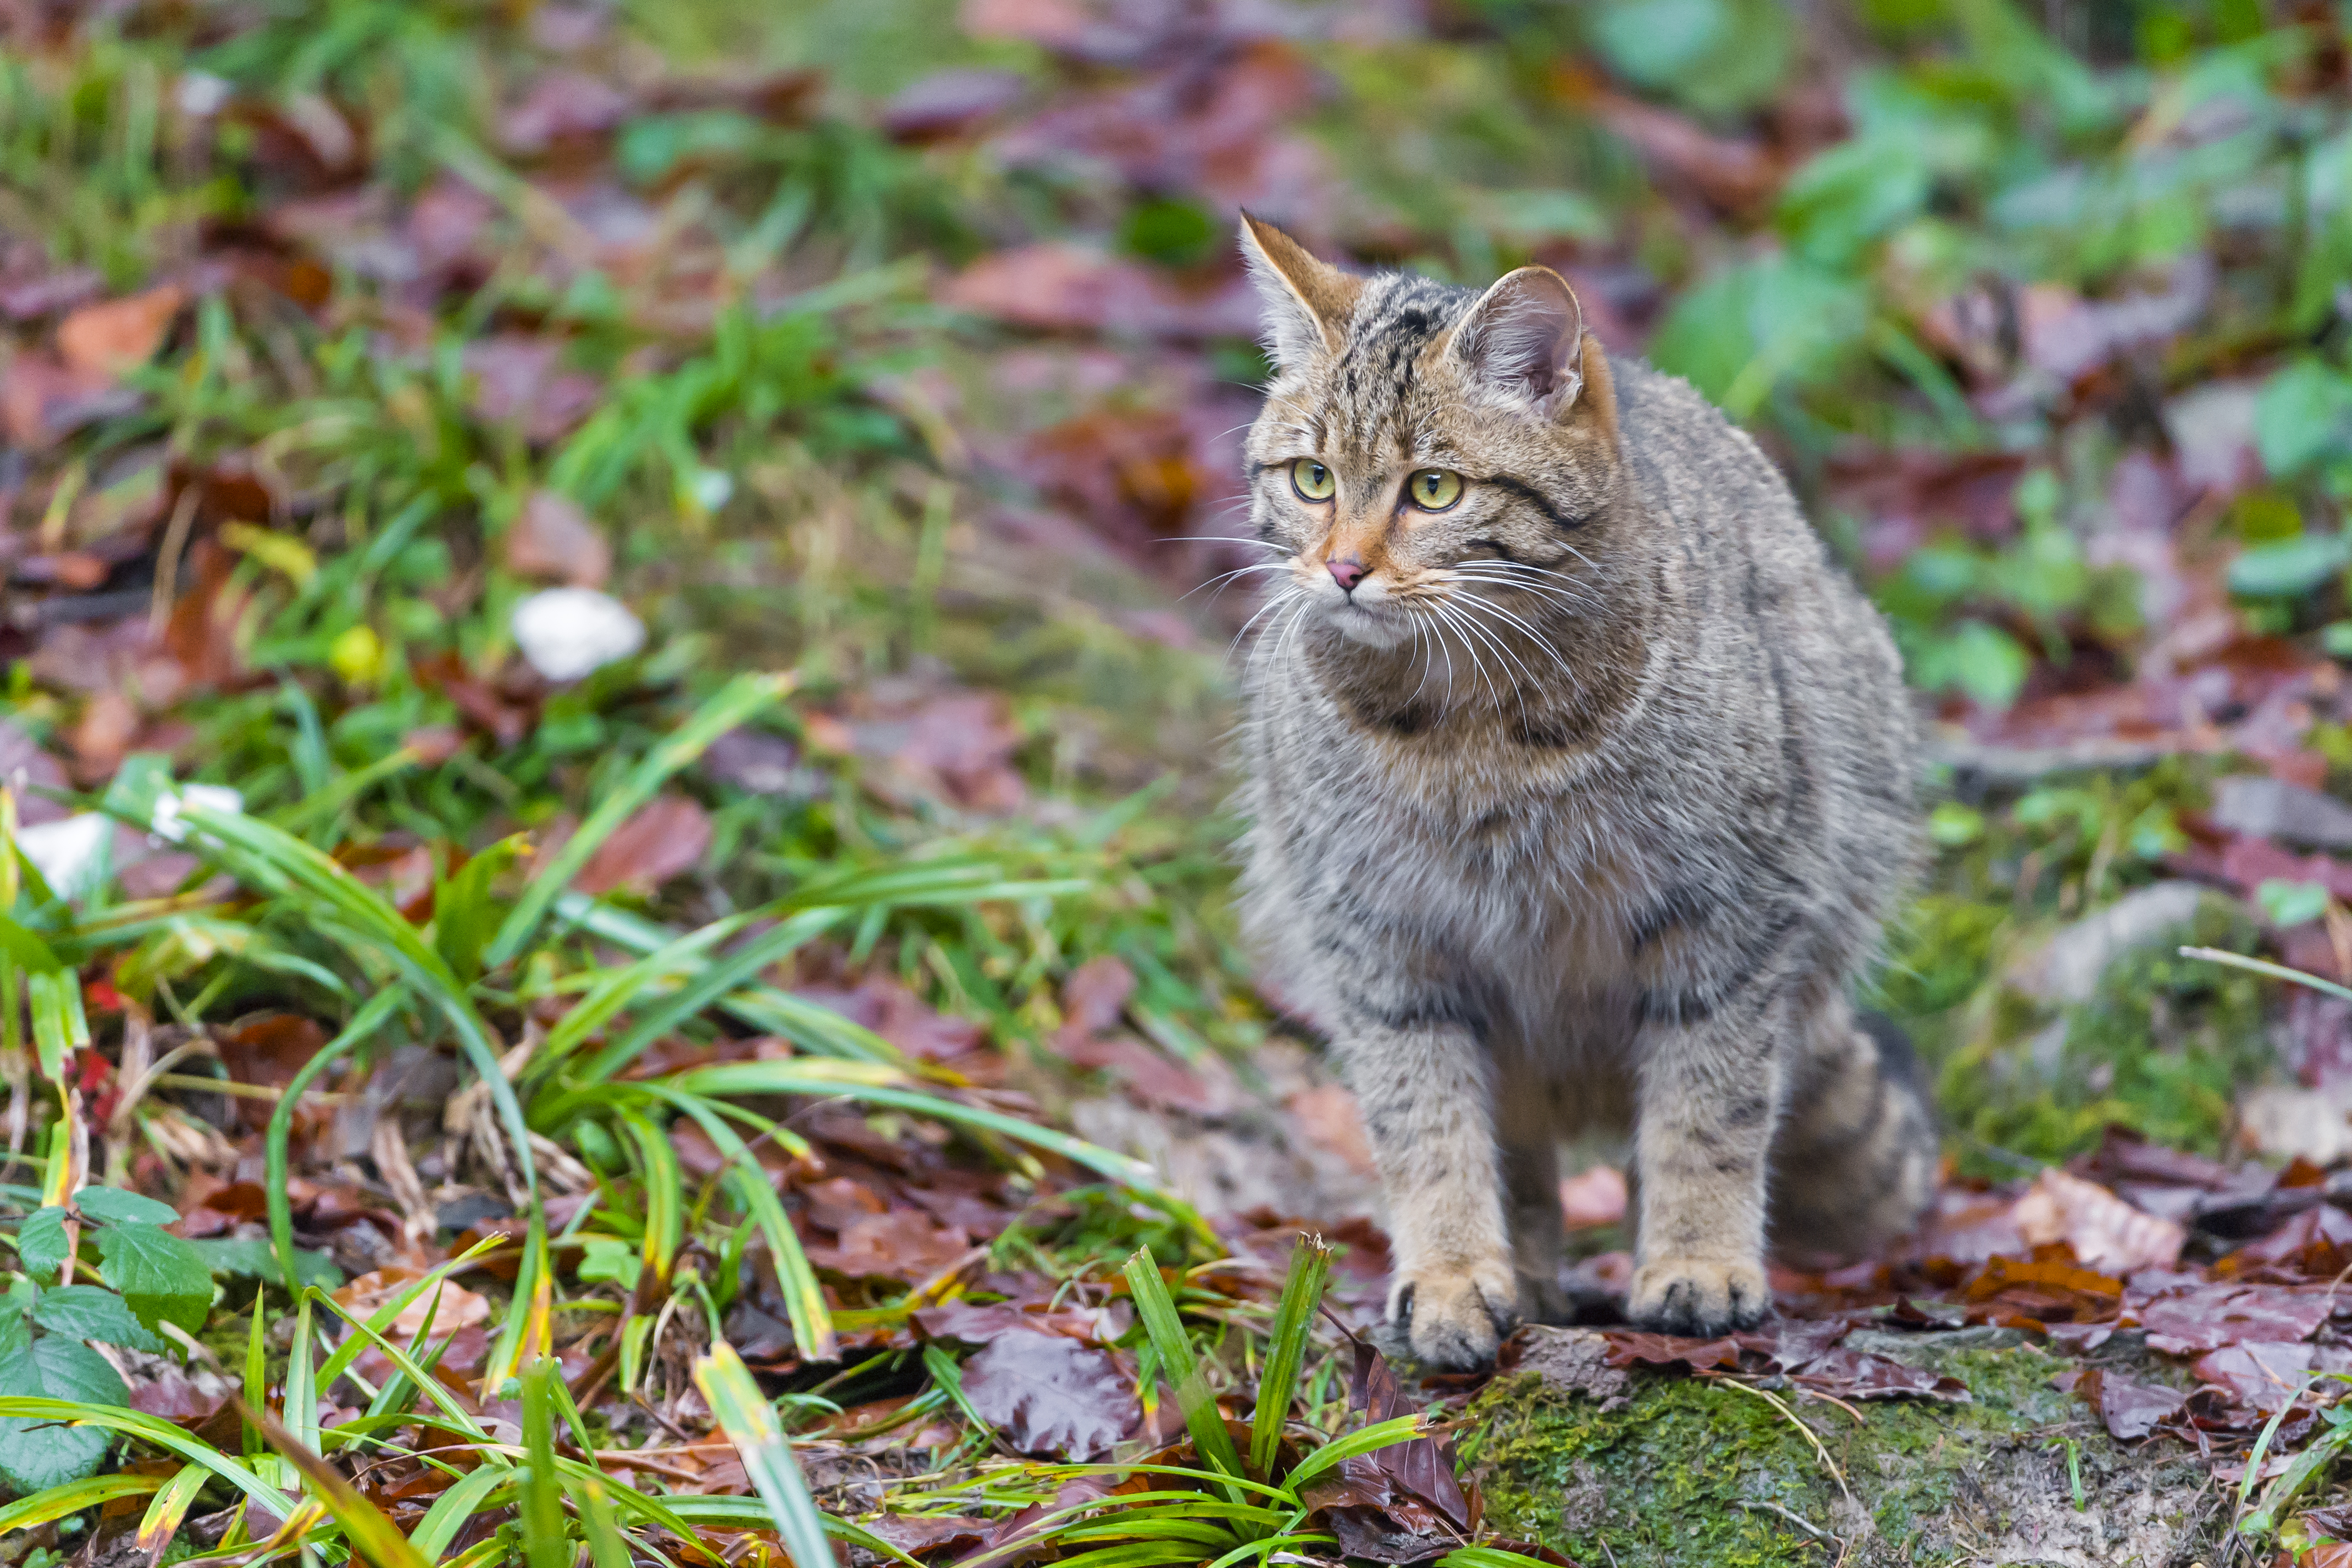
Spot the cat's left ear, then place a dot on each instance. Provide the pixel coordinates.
(1525, 338)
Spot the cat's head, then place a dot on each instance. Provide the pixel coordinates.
(1422, 443)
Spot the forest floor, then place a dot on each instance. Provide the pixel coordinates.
(617, 651)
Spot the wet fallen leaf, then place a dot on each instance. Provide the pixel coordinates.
(103, 340)
(551, 537)
(2106, 1234)
(667, 836)
(1051, 1396)
(458, 1308)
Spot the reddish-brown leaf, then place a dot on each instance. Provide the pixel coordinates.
(667, 835)
(551, 537)
(1051, 1396)
(104, 340)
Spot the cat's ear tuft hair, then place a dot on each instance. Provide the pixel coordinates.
(1307, 302)
(1525, 338)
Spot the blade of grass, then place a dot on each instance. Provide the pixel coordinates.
(165, 1514)
(370, 1534)
(261, 855)
(2263, 967)
(712, 983)
(58, 1501)
(803, 1297)
(1157, 1310)
(364, 1026)
(467, 1497)
(1294, 1324)
(546, 1539)
(741, 699)
(147, 1429)
(665, 1198)
(749, 1422)
(606, 1546)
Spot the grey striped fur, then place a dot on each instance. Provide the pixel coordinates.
(1581, 813)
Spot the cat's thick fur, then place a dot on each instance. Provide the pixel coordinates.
(1580, 806)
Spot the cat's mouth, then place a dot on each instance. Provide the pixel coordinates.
(1378, 622)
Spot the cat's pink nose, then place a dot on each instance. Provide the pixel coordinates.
(1347, 571)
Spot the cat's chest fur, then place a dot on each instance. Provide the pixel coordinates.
(1516, 858)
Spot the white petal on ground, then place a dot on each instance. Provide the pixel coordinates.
(566, 632)
(166, 822)
(70, 853)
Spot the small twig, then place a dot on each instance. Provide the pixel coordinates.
(1815, 1530)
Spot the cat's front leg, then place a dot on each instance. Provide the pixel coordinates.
(1709, 1097)
(1421, 1078)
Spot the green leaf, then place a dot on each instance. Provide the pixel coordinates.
(2287, 569)
(2303, 416)
(1755, 325)
(90, 1312)
(41, 1242)
(37, 1455)
(1719, 57)
(250, 1258)
(112, 1206)
(464, 914)
(2288, 903)
(608, 1258)
(162, 1278)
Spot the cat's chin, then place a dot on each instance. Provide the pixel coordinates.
(1383, 629)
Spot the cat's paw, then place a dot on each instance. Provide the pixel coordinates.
(1698, 1297)
(1455, 1319)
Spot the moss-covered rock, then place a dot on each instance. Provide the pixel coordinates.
(1690, 1472)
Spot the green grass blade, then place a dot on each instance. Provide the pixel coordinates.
(466, 1495)
(58, 1501)
(170, 1509)
(741, 699)
(261, 855)
(546, 1538)
(803, 1297)
(664, 1192)
(714, 982)
(1380, 1434)
(606, 1546)
(749, 1422)
(256, 1373)
(1294, 1325)
(147, 1429)
(1157, 1310)
(364, 1026)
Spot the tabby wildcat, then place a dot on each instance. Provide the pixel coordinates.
(1580, 781)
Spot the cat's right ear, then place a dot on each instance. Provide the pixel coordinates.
(1307, 302)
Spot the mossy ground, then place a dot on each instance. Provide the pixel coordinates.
(1689, 1471)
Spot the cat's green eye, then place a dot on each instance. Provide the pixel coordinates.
(1433, 489)
(1312, 480)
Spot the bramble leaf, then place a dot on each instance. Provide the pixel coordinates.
(112, 1206)
(90, 1312)
(161, 1276)
(36, 1455)
(41, 1242)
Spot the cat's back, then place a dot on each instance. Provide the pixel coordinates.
(1745, 561)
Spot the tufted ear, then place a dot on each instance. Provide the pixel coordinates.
(1307, 302)
(1525, 338)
